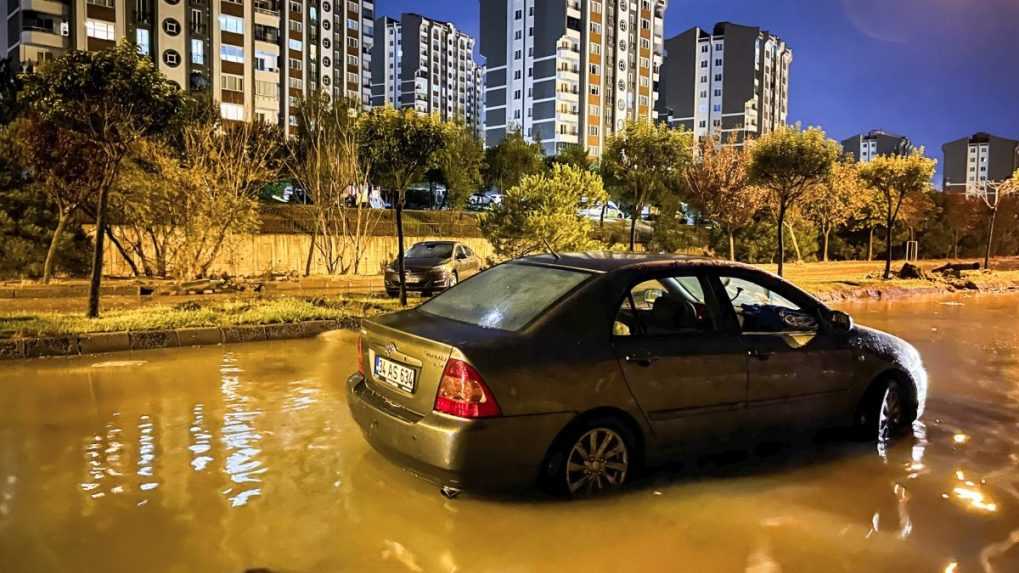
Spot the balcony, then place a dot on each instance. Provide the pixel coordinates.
(267, 7)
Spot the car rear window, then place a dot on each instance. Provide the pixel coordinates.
(505, 297)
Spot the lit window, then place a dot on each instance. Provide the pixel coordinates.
(229, 53)
(197, 52)
(231, 111)
(231, 24)
(99, 29)
(141, 38)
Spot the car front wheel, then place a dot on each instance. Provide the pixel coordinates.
(885, 412)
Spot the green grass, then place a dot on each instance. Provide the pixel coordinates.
(221, 313)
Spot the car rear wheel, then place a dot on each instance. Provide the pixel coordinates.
(593, 459)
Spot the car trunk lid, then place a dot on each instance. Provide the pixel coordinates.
(389, 350)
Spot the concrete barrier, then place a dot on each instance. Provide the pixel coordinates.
(102, 342)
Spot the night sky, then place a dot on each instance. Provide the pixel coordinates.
(934, 70)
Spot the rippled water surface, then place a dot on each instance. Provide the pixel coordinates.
(244, 457)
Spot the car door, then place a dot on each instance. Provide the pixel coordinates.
(798, 371)
(688, 375)
(468, 261)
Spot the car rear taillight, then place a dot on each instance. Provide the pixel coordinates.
(463, 393)
(360, 355)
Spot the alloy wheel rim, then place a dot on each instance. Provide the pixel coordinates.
(598, 461)
(891, 411)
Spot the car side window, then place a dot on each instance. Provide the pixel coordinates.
(460, 252)
(467, 250)
(664, 306)
(760, 309)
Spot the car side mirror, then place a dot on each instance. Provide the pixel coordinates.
(841, 321)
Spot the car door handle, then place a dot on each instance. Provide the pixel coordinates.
(759, 354)
(641, 360)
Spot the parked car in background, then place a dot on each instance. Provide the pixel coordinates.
(433, 266)
(576, 370)
(611, 212)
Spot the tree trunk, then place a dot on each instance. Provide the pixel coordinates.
(796, 244)
(781, 237)
(827, 233)
(633, 229)
(96, 279)
(990, 238)
(123, 252)
(732, 246)
(311, 250)
(47, 267)
(399, 256)
(888, 244)
(601, 218)
(870, 243)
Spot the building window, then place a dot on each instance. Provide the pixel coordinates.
(171, 58)
(718, 77)
(593, 130)
(231, 24)
(704, 63)
(704, 49)
(265, 61)
(295, 44)
(141, 38)
(718, 93)
(232, 83)
(718, 61)
(518, 14)
(231, 111)
(229, 53)
(99, 29)
(267, 89)
(296, 64)
(197, 52)
(296, 26)
(171, 27)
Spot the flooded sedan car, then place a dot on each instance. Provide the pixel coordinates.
(433, 266)
(574, 371)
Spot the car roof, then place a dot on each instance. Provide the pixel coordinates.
(607, 261)
(434, 243)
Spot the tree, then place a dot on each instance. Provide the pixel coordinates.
(326, 162)
(993, 194)
(510, 161)
(830, 204)
(895, 177)
(542, 212)
(60, 165)
(458, 163)
(572, 154)
(111, 98)
(222, 168)
(642, 162)
(718, 181)
(788, 162)
(401, 147)
(10, 85)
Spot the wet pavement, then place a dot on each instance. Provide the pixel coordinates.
(244, 457)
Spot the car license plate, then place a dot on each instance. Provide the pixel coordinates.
(394, 374)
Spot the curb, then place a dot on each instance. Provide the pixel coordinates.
(101, 342)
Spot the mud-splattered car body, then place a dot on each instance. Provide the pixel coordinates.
(489, 384)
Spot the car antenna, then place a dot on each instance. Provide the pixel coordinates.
(550, 249)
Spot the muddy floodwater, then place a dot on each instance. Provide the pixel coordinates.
(242, 457)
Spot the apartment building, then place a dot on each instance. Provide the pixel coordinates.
(427, 65)
(972, 162)
(570, 72)
(732, 83)
(257, 58)
(864, 147)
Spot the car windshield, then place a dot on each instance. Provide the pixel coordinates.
(430, 251)
(505, 297)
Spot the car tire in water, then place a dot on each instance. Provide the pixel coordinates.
(884, 412)
(595, 457)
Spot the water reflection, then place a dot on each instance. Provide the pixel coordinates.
(239, 436)
(224, 459)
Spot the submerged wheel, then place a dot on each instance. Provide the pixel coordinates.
(885, 411)
(595, 458)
